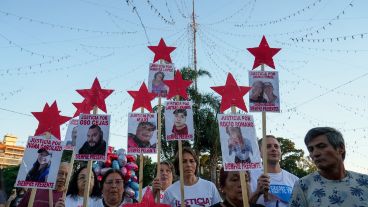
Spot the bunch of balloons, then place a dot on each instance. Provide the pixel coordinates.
(126, 164)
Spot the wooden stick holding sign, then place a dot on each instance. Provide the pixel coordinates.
(181, 170)
(89, 174)
(243, 182)
(46, 127)
(177, 88)
(69, 175)
(232, 96)
(141, 170)
(263, 56)
(142, 99)
(264, 146)
(94, 98)
(159, 125)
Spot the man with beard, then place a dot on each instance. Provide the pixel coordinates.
(42, 195)
(95, 143)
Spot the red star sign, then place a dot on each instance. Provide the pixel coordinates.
(178, 86)
(263, 54)
(147, 201)
(232, 94)
(142, 98)
(49, 120)
(96, 95)
(162, 52)
(82, 108)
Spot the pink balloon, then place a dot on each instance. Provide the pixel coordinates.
(129, 192)
(131, 166)
(135, 179)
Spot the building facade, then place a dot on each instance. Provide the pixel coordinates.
(10, 153)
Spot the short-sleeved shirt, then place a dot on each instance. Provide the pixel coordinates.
(281, 186)
(315, 190)
(204, 193)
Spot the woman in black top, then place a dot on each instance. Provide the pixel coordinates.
(231, 189)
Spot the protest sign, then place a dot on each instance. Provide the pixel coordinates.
(40, 163)
(142, 133)
(264, 95)
(179, 120)
(92, 137)
(71, 135)
(239, 145)
(157, 74)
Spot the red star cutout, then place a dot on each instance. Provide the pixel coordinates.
(178, 86)
(82, 108)
(147, 201)
(49, 120)
(142, 98)
(232, 94)
(96, 95)
(162, 52)
(263, 54)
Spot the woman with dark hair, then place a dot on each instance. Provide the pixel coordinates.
(158, 85)
(41, 167)
(198, 192)
(231, 189)
(76, 189)
(112, 185)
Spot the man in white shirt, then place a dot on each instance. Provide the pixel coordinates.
(278, 182)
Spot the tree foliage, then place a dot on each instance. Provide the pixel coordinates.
(149, 169)
(293, 160)
(10, 175)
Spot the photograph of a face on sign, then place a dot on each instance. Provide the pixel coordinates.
(71, 135)
(40, 163)
(264, 95)
(142, 133)
(92, 137)
(179, 120)
(157, 74)
(239, 145)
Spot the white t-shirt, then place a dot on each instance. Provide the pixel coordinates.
(281, 187)
(162, 193)
(77, 201)
(203, 193)
(99, 202)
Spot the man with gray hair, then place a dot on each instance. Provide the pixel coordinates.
(331, 185)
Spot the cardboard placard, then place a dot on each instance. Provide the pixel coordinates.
(264, 95)
(239, 145)
(92, 137)
(158, 73)
(179, 120)
(71, 135)
(142, 133)
(40, 163)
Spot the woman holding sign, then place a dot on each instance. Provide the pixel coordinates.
(41, 167)
(198, 192)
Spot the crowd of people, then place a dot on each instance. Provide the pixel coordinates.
(330, 185)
